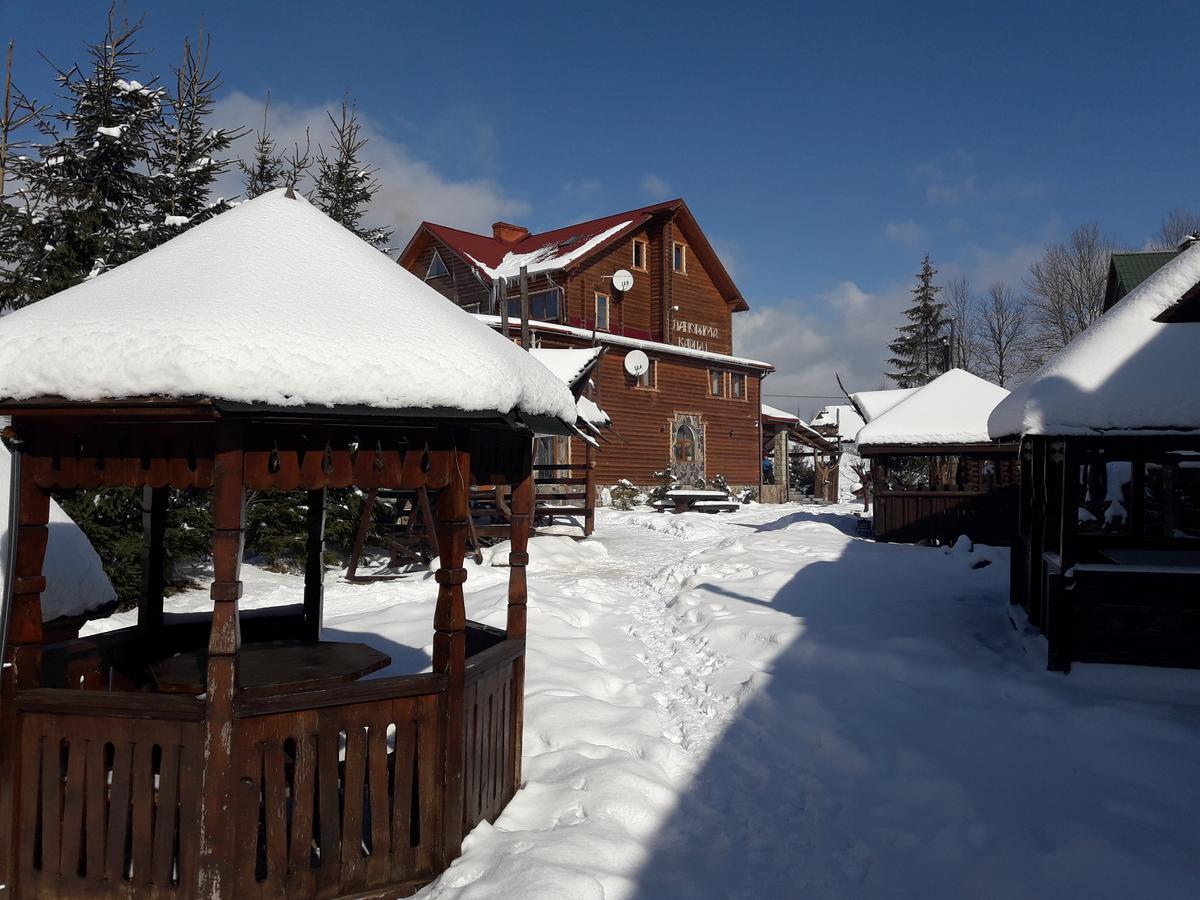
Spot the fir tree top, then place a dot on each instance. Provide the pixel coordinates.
(918, 354)
(344, 185)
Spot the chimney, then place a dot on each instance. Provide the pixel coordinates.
(509, 234)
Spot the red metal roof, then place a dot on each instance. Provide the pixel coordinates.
(490, 251)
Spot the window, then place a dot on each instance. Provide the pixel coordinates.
(601, 311)
(716, 383)
(543, 306)
(639, 254)
(646, 379)
(737, 385)
(437, 268)
(685, 443)
(679, 257)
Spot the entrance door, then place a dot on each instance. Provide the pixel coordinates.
(687, 449)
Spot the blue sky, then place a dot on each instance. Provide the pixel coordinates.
(824, 148)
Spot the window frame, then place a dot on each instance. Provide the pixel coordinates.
(680, 248)
(745, 388)
(437, 255)
(648, 381)
(596, 295)
(721, 373)
(633, 257)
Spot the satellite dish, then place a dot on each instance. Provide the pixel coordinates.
(622, 280)
(637, 363)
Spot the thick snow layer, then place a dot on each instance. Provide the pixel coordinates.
(567, 364)
(875, 403)
(951, 409)
(771, 412)
(550, 258)
(75, 580)
(592, 413)
(1126, 373)
(620, 340)
(845, 417)
(271, 302)
(760, 705)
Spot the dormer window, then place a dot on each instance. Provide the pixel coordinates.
(437, 268)
(679, 257)
(639, 254)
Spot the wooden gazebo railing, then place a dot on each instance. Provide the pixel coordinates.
(237, 754)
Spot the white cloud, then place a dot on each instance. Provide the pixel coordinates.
(655, 188)
(906, 232)
(953, 181)
(581, 188)
(411, 189)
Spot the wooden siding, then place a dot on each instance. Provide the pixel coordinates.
(460, 286)
(628, 315)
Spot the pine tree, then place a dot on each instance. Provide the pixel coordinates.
(187, 155)
(919, 353)
(87, 192)
(344, 185)
(264, 172)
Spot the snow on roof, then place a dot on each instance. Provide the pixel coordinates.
(842, 416)
(621, 340)
(272, 302)
(591, 413)
(951, 409)
(75, 580)
(771, 412)
(875, 403)
(549, 258)
(567, 364)
(1127, 373)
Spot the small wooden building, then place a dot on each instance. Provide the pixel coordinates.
(936, 474)
(789, 443)
(695, 406)
(1107, 556)
(238, 754)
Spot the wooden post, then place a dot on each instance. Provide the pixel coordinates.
(502, 304)
(518, 598)
(450, 640)
(525, 339)
(589, 501)
(154, 556)
(360, 536)
(218, 842)
(314, 562)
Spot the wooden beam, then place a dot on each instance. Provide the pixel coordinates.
(525, 338)
(154, 558)
(518, 597)
(314, 560)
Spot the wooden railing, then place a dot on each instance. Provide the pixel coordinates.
(108, 800)
(491, 735)
(943, 515)
(566, 489)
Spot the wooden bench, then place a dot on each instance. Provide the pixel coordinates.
(684, 499)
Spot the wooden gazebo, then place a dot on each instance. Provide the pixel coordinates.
(1106, 559)
(238, 754)
(935, 472)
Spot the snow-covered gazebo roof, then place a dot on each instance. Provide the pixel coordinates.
(272, 304)
(874, 404)
(778, 415)
(842, 416)
(952, 410)
(569, 364)
(1136, 370)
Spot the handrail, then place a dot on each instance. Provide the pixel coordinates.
(493, 657)
(342, 695)
(116, 704)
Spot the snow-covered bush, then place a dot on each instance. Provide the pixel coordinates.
(666, 481)
(625, 495)
(749, 495)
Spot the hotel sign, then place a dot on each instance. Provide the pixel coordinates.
(693, 335)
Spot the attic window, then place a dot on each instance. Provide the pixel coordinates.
(437, 268)
(639, 254)
(679, 257)
(1186, 310)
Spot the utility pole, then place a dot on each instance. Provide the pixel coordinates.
(525, 308)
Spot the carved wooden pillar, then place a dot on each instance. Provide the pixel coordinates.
(589, 488)
(518, 597)
(218, 840)
(154, 534)
(24, 650)
(450, 639)
(314, 563)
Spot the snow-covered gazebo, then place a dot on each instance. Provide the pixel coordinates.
(1106, 561)
(242, 755)
(936, 472)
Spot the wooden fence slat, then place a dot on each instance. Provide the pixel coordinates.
(303, 793)
(327, 787)
(73, 793)
(97, 821)
(377, 786)
(118, 812)
(430, 771)
(352, 862)
(142, 787)
(51, 804)
(166, 818)
(403, 854)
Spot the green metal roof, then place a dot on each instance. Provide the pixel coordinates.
(1128, 270)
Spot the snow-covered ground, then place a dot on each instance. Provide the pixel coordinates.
(761, 705)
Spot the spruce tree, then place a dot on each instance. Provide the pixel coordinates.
(87, 191)
(187, 153)
(344, 185)
(918, 354)
(265, 169)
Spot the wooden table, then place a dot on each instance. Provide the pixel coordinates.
(685, 499)
(274, 666)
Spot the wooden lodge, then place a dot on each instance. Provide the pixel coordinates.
(236, 753)
(936, 474)
(675, 393)
(1106, 562)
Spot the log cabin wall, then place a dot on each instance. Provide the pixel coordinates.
(461, 286)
